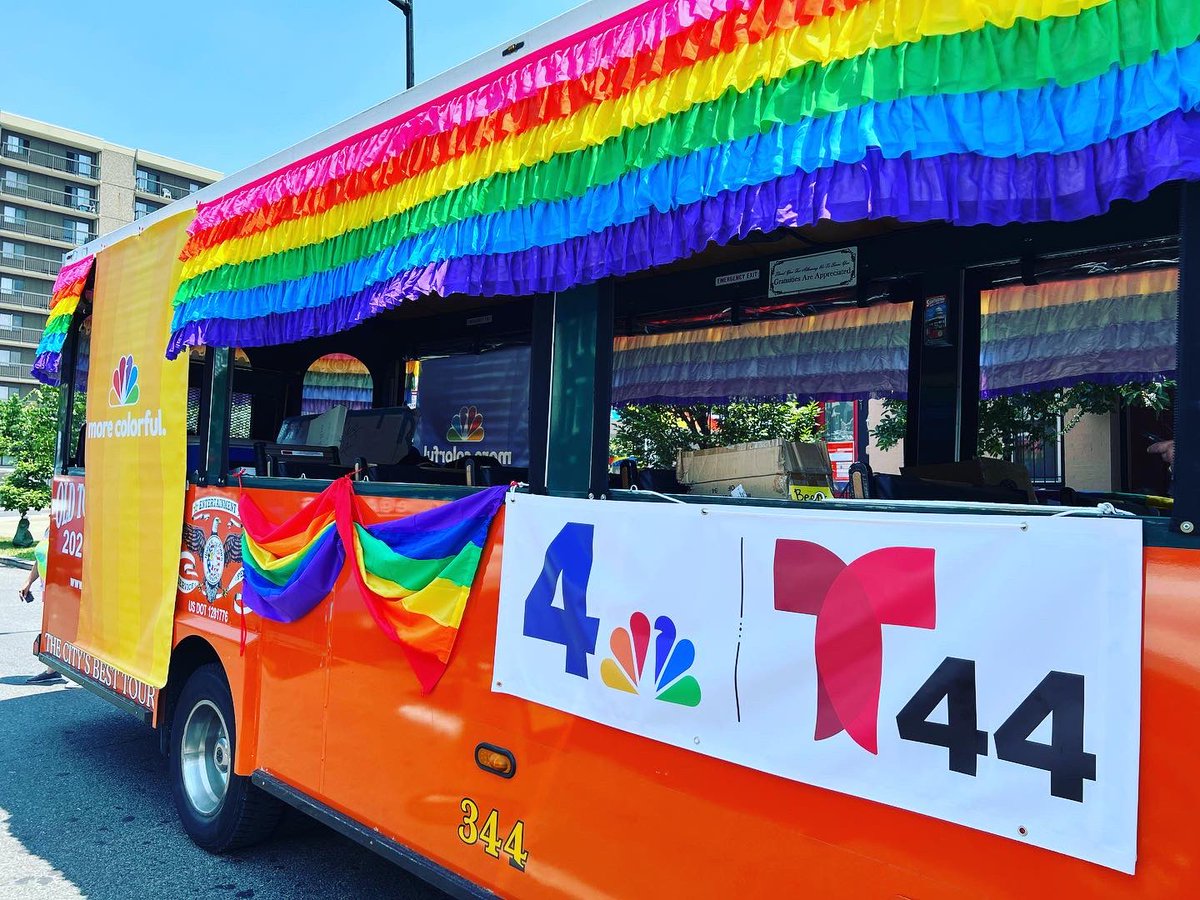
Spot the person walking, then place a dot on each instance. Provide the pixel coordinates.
(38, 571)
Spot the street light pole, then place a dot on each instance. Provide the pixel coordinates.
(406, 7)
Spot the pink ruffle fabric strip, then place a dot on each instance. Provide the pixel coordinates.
(640, 29)
(72, 273)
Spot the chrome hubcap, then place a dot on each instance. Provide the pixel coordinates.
(206, 758)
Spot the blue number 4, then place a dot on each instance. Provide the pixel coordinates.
(568, 557)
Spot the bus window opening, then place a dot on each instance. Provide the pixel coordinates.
(325, 409)
(1074, 357)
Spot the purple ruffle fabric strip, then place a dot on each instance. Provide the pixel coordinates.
(963, 189)
(1072, 380)
(1044, 374)
(46, 368)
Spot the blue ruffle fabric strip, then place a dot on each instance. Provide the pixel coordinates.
(965, 189)
(1050, 119)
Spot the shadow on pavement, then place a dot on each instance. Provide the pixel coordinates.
(86, 791)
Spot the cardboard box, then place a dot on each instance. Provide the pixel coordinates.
(764, 469)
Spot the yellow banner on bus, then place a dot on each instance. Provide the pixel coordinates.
(136, 456)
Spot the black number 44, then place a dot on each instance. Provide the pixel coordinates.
(1059, 697)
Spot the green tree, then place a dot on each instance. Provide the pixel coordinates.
(1034, 417)
(28, 432)
(654, 433)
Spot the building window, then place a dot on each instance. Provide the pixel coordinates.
(16, 181)
(143, 208)
(76, 232)
(147, 182)
(80, 163)
(79, 197)
(16, 146)
(11, 285)
(11, 250)
(8, 391)
(10, 357)
(11, 320)
(14, 215)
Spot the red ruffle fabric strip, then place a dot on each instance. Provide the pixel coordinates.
(391, 154)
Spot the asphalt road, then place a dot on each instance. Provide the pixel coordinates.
(85, 808)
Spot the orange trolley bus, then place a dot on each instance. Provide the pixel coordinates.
(339, 522)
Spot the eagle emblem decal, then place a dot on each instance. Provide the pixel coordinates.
(212, 543)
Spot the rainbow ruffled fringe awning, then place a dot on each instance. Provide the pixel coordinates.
(680, 123)
(414, 574)
(68, 289)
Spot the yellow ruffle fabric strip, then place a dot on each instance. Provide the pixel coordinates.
(873, 25)
(64, 308)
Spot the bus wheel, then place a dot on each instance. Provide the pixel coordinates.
(220, 809)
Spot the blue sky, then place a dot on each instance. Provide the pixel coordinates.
(224, 83)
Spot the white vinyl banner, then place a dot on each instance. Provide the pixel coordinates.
(982, 669)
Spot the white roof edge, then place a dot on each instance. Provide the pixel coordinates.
(557, 29)
(72, 137)
(175, 166)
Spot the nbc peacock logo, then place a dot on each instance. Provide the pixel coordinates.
(466, 427)
(125, 390)
(626, 670)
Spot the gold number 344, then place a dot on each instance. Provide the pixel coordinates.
(471, 832)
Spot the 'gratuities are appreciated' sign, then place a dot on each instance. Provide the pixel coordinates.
(815, 272)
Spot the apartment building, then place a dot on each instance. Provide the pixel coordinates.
(59, 189)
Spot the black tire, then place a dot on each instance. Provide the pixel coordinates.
(243, 815)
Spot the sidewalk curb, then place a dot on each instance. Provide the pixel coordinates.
(14, 563)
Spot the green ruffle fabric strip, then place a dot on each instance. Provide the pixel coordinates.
(1066, 51)
(57, 325)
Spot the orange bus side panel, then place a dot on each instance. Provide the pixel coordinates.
(64, 563)
(329, 705)
(610, 813)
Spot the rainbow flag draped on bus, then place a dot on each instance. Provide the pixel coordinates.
(680, 123)
(415, 574)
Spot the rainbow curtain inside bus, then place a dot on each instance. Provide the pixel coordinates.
(336, 379)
